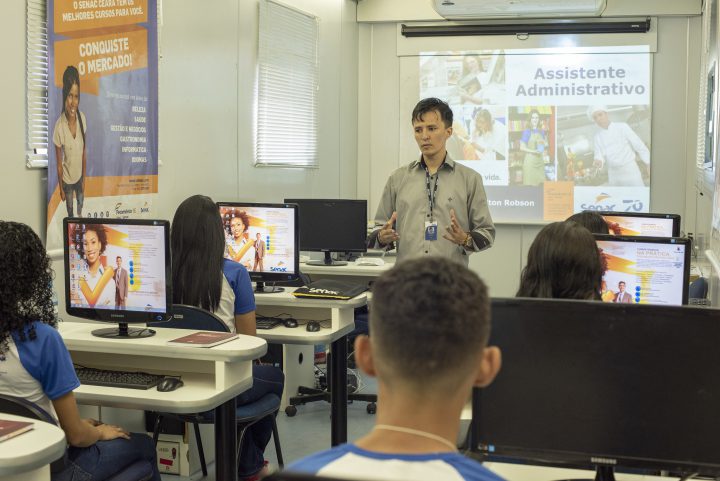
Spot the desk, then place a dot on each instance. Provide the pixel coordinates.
(341, 316)
(213, 378)
(27, 457)
(348, 272)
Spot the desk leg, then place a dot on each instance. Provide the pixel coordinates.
(338, 392)
(225, 442)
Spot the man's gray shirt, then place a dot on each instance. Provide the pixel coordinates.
(458, 187)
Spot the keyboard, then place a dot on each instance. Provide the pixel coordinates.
(267, 322)
(131, 380)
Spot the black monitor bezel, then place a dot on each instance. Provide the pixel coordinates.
(299, 201)
(659, 240)
(118, 316)
(675, 217)
(479, 442)
(272, 276)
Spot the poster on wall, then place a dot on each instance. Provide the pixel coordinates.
(102, 107)
(552, 131)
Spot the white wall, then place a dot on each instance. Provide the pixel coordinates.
(206, 84)
(675, 92)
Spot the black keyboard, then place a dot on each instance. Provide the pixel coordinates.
(131, 380)
(267, 322)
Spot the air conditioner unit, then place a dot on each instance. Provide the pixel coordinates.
(473, 9)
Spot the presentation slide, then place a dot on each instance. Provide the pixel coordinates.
(643, 273)
(642, 226)
(260, 238)
(115, 266)
(552, 131)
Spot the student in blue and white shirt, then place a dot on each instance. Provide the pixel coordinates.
(430, 323)
(202, 277)
(35, 364)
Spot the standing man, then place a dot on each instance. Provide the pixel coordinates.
(259, 252)
(434, 206)
(618, 146)
(122, 285)
(622, 296)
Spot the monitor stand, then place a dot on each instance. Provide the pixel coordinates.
(261, 289)
(602, 473)
(122, 332)
(328, 261)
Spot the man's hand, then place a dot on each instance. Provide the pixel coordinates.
(387, 234)
(454, 233)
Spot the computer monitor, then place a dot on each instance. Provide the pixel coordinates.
(590, 384)
(118, 270)
(263, 238)
(643, 224)
(332, 225)
(645, 270)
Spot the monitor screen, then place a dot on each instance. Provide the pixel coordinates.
(332, 225)
(117, 270)
(263, 238)
(652, 225)
(645, 270)
(587, 383)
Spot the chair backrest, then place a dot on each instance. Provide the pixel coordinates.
(23, 407)
(698, 288)
(191, 317)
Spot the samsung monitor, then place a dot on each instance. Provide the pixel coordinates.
(642, 224)
(332, 225)
(119, 271)
(590, 384)
(645, 270)
(264, 239)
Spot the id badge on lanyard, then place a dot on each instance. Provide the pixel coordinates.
(431, 231)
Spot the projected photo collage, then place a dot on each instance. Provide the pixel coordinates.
(552, 131)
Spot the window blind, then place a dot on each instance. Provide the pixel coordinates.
(36, 64)
(287, 89)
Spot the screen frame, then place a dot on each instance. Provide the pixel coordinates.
(479, 442)
(675, 217)
(659, 240)
(271, 276)
(298, 202)
(120, 316)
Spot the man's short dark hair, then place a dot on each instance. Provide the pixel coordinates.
(592, 221)
(118, 257)
(430, 318)
(433, 104)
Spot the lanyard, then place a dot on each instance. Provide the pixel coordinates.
(431, 193)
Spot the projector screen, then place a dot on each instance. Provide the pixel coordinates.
(553, 131)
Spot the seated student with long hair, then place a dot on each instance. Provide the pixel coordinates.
(35, 364)
(564, 263)
(202, 277)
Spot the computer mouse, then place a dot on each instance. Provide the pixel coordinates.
(169, 384)
(290, 322)
(313, 326)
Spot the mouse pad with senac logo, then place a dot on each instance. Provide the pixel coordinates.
(330, 289)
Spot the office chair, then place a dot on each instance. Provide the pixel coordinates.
(191, 317)
(138, 471)
(312, 394)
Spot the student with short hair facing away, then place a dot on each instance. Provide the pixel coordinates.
(563, 262)
(592, 221)
(35, 364)
(430, 320)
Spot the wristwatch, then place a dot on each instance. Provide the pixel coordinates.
(468, 242)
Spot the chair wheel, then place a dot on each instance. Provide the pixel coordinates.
(371, 408)
(290, 411)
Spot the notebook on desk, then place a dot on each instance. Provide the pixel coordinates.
(330, 289)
